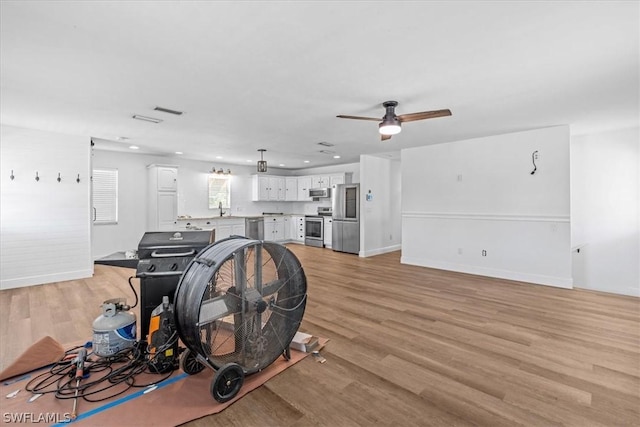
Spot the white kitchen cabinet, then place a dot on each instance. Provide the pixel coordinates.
(304, 184)
(238, 229)
(320, 181)
(328, 230)
(273, 228)
(287, 227)
(291, 189)
(277, 188)
(268, 188)
(167, 178)
(336, 179)
(297, 225)
(162, 197)
(222, 230)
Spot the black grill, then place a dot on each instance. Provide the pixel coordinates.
(164, 256)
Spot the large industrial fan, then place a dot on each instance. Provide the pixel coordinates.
(238, 306)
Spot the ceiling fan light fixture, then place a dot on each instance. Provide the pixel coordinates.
(262, 164)
(389, 127)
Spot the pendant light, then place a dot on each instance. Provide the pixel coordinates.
(262, 164)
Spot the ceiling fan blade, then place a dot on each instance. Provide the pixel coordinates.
(424, 115)
(359, 118)
(384, 137)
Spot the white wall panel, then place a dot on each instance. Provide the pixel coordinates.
(464, 197)
(605, 214)
(46, 223)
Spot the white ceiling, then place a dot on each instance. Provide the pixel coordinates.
(274, 75)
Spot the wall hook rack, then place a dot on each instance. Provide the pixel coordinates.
(12, 176)
(78, 179)
(37, 177)
(59, 179)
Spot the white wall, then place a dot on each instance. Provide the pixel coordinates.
(379, 216)
(604, 211)
(45, 224)
(462, 198)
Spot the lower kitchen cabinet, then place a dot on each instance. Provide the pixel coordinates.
(274, 229)
(328, 230)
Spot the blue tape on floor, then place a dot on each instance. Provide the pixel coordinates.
(122, 400)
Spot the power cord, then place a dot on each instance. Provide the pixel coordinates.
(121, 369)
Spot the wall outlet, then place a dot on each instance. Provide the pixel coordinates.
(459, 177)
(484, 252)
(459, 251)
(536, 156)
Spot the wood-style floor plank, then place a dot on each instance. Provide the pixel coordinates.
(408, 346)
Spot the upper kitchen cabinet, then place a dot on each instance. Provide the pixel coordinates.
(304, 184)
(291, 189)
(320, 181)
(162, 197)
(268, 188)
(166, 177)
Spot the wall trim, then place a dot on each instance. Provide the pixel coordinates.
(487, 216)
(380, 251)
(22, 282)
(538, 279)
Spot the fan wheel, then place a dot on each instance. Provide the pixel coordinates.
(189, 363)
(227, 382)
(240, 301)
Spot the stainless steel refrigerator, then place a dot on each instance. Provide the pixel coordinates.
(346, 218)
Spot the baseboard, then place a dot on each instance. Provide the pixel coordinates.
(539, 279)
(380, 251)
(22, 282)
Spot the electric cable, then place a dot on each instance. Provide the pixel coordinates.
(119, 374)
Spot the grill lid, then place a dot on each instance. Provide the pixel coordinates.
(161, 244)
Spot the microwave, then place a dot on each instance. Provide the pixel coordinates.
(319, 192)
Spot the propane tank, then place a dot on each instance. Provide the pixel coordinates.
(115, 329)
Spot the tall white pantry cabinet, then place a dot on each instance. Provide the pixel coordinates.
(162, 206)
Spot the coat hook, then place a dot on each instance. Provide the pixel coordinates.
(12, 176)
(78, 179)
(59, 179)
(37, 177)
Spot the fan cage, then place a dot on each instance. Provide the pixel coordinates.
(240, 301)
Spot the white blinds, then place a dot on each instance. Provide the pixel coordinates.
(105, 196)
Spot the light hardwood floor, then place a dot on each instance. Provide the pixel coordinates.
(409, 346)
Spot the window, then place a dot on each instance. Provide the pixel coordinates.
(219, 191)
(105, 196)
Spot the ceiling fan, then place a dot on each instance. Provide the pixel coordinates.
(391, 124)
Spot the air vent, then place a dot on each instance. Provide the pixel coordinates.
(325, 144)
(146, 119)
(168, 110)
(327, 152)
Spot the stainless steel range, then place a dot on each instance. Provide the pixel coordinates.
(314, 227)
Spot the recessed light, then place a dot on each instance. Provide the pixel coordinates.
(146, 119)
(306, 161)
(249, 161)
(121, 138)
(281, 164)
(218, 157)
(134, 147)
(179, 152)
(336, 157)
